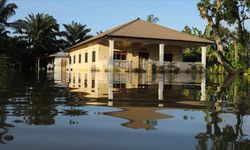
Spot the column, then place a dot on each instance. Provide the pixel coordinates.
(161, 54)
(111, 54)
(110, 84)
(203, 87)
(160, 86)
(204, 57)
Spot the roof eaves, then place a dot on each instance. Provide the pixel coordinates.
(106, 33)
(205, 41)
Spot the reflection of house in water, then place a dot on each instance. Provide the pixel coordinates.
(135, 86)
(139, 117)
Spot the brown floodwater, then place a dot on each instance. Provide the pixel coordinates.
(87, 110)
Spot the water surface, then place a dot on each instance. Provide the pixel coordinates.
(85, 110)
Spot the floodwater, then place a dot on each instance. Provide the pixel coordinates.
(123, 111)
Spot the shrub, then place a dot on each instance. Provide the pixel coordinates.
(172, 68)
(196, 68)
(161, 69)
(154, 68)
(139, 70)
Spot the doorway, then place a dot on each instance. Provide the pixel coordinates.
(143, 57)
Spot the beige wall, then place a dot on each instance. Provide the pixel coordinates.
(83, 66)
(102, 56)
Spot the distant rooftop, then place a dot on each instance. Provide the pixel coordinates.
(59, 54)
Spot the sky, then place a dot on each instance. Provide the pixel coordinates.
(106, 14)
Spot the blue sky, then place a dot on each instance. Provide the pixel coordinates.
(106, 14)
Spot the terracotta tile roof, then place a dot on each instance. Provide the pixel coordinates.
(143, 29)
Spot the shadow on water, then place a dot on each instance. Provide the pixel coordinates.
(142, 101)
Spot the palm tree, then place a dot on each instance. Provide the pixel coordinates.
(75, 33)
(3, 32)
(99, 32)
(40, 31)
(151, 18)
(6, 11)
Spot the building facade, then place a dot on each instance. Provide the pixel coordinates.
(137, 44)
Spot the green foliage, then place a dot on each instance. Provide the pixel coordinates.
(99, 32)
(75, 33)
(161, 69)
(247, 72)
(6, 11)
(196, 68)
(235, 13)
(151, 18)
(171, 68)
(194, 54)
(216, 69)
(139, 70)
(154, 68)
(40, 31)
(116, 70)
(6, 67)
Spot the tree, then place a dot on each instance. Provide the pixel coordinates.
(99, 32)
(75, 33)
(151, 18)
(237, 12)
(6, 11)
(40, 31)
(213, 13)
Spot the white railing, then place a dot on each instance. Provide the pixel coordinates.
(123, 64)
(181, 65)
(147, 65)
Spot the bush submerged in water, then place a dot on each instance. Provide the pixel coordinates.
(139, 70)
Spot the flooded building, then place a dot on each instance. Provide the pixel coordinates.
(136, 44)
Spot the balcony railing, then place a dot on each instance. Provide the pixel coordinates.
(147, 65)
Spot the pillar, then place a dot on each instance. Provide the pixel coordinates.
(160, 86)
(110, 83)
(111, 55)
(161, 54)
(204, 57)
(203, 87)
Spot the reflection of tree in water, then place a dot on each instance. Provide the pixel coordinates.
(230, 136)
(5, 137)
(73, 112)
(227, 137)
(36, 100)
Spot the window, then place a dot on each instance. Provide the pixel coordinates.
(70, 60)
(80, 58)
(93, 56)
(86, 57)
(74, 79)
(120, 55)
(79, 78)
(119, 85)
(168, 57)
(85, 80)
(93, 84)
(74, 59)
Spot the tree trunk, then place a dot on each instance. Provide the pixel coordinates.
(215, 25)
(220, 57)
